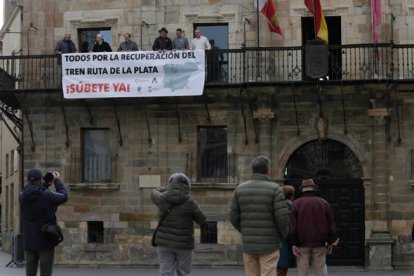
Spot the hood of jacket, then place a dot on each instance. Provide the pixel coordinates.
(31, 192)
(177, 193)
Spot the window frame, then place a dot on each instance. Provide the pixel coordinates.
(83, 155)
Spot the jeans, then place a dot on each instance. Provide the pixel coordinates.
(45, 257)
(261, 264)
(175, 260)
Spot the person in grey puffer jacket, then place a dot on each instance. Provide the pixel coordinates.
(259, 212)
(175, 236)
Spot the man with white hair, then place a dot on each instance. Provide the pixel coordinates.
(200, 42)
(101, 45)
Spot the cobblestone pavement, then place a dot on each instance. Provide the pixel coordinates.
(218, 271)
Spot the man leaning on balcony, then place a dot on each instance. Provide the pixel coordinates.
(66, 45)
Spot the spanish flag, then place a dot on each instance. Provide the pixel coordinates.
(267, 8)
(321, 27)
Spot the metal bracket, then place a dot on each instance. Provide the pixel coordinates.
(343, 108)
(246, 140)
(66, 123)
(296, 111)
(148, 126)
(206, 106)
(30, 124)
(256, 127)
(120, 141)
(89, 112)
(397, 112)
(177, 112)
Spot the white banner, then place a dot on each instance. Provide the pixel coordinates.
(133, 74)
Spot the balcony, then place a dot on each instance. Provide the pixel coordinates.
(93, 171)
(233, 67)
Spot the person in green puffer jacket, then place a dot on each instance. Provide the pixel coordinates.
(259, 212)
(175, 235)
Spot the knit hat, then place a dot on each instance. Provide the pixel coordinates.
(34, 174)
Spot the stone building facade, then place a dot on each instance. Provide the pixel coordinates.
(360, 131)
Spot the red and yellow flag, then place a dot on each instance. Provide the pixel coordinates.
(314, 6)
(267, 8)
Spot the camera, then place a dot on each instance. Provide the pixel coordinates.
(48, 179)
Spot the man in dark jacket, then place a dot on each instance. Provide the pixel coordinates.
(66, 45)
(101, 45)
(311, 226)
(259, 212)
(163, 42)
(38, 206)
(175, 235)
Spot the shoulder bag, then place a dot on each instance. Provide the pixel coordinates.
(162, 218)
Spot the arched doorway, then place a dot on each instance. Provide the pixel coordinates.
(338, 172)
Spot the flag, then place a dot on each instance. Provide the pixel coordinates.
(321, 27)
(267, 8)
(376, 19)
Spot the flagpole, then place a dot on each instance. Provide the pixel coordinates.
(258, 26)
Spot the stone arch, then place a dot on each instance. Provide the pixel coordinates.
(294, 144)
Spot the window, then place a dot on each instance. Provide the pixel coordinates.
(97, 159)
(209, 232)
(7, 165)
(12, 162)
(335, 38)
(6, 219)
(217, 60)
(218, 32)
(11, 206)
(95, 232)
(213, 152)
(16, 160)
(86, 38)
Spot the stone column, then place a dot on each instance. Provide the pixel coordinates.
(379, 244)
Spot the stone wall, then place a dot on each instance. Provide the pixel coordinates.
(54, 18)
(125, 207)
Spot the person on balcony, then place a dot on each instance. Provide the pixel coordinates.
(199, 42)
(101, 45)
(180, 42)
(163, 42)
(174, 236)
(128, 44)
(66, 45)
(214, 62)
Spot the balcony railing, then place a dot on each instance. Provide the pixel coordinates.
(276, 65)
(92, 168)
(211, 167)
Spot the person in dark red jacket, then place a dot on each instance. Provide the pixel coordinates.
(311, 226)
(38, 206)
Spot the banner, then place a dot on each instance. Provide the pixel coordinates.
(133, 74)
